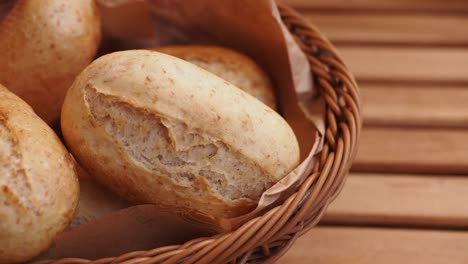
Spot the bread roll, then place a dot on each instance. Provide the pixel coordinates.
(44, 44)
(38, 183)
(230, 65)
(160, 130)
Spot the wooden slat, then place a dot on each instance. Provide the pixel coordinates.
(409, 200)
(387, 149)
(407, 64)
(340, 245)
(383, 5)
(415, 105)
(392, 28)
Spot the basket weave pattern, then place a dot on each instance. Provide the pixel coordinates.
(266, 238)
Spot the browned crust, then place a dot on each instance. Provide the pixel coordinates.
(38, 188)
(44, 44)
(228, 60)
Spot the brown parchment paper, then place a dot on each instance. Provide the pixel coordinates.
(95, 200)
(251, 27)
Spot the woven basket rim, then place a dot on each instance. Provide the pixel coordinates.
(269, 236)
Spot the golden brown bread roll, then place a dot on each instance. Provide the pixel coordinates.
(38, 183)
(160, 130)
(44, 44)
(230, 65)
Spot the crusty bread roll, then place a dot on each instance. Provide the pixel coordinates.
(230, 65)
(38, 183)
(44, 44)
(160, 130)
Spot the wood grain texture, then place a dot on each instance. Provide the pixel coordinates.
(344, 245)
(411, 60)
(407, 63)
(407, 29)
(404, 200)
(415, 105)
(413, 150)
(436, 6)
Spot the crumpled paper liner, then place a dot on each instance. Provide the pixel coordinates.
(95, 200)
(251, 27)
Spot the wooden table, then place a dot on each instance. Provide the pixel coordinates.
(406, 200)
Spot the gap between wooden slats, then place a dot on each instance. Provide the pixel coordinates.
(413, 150)
(399, 29)
(402, 200)
(434, 6)
(350, 245)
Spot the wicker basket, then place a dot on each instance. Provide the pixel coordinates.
(266, 238)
